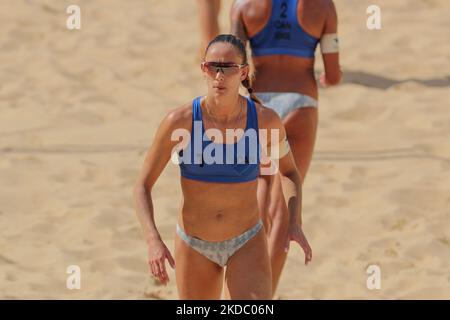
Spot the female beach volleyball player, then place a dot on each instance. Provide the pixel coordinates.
(219, 234)
(283, 36)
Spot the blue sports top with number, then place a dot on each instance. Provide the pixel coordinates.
(283, 34)
(237, 162)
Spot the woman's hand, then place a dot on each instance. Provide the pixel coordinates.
(157, 255)
(323, 80)
(295, 233)
(327, 81)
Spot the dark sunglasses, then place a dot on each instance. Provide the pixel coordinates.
(226, 68)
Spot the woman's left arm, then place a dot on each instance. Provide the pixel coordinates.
(236, 22)
(329, 45)
(292, 187)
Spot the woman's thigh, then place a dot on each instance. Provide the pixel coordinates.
(301, 130)
(248, 274)
(197, 277)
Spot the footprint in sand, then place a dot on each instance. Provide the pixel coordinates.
(362, 257)
(357, 177)
(5, 260)
(82, 116)
(44, 228)
(10, 277)
(102, 264)
(358, 172)
(59, 178)
(107, 218)
(390, 252)
(444, 240)
(152, 294)
(418, 198)
(95, 175)
(128, 231)
(132, 264)
(128, 176)
(398, 225)
(366, 114)
(49, 9)
(332, 201)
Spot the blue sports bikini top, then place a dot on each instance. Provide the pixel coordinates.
(283, 34)
(205, 160)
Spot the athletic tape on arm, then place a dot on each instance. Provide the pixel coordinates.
(283, 149)
(329, 43)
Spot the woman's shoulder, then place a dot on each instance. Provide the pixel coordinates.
(267, 118)
(323, 8)
(180, 117)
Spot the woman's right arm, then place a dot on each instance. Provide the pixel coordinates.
(155, 161)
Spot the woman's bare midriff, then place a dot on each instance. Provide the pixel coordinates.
(217, 211)
(281, 73)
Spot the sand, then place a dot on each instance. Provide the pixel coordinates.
(79, 109)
